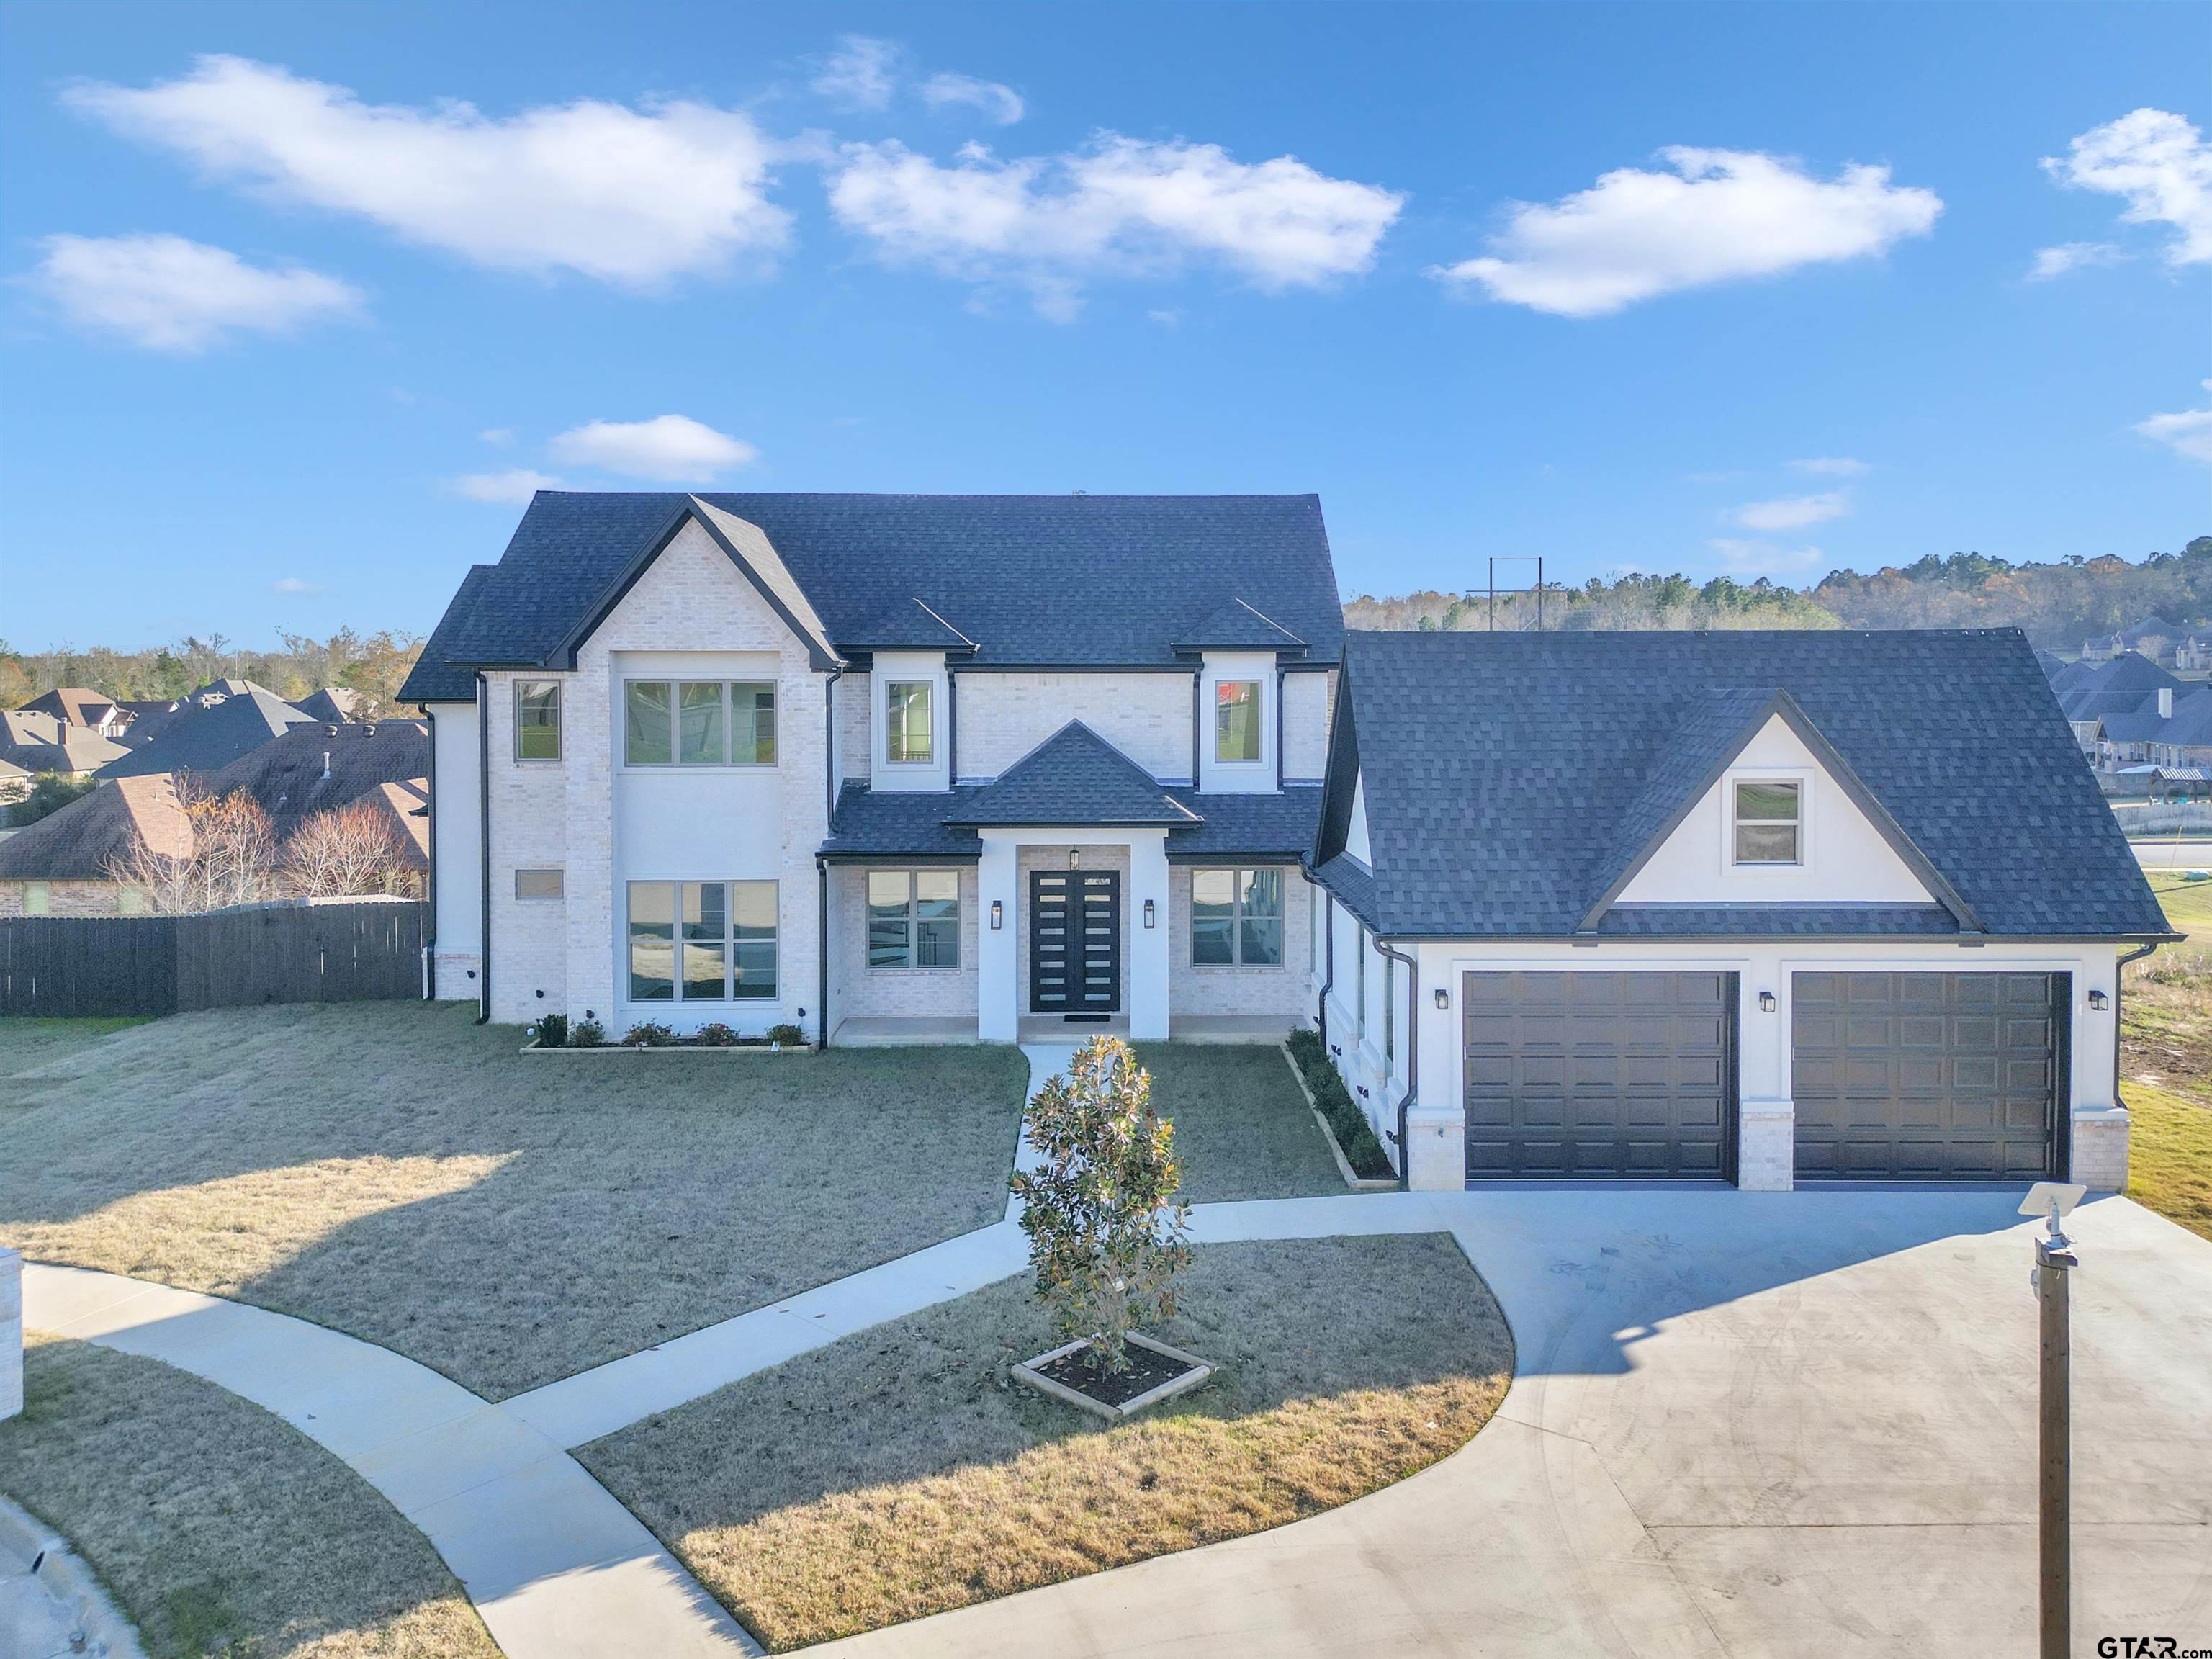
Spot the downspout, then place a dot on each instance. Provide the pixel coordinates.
(951, 727)
(430, 949)
(483, 848)
(822, 943)
(1329, 965)
(1281, 681)
(830, 766)
(1197, 721)
(1413, 1055)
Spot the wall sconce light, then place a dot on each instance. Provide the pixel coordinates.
(1075, 858)
(998, 916)
(1443, 997)
(1766, 1002)
(2100, 1001)
(1148, 912)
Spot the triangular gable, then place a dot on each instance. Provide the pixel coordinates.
(747, 547)
(1712, 741)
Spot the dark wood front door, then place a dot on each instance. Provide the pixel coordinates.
(1075, 942)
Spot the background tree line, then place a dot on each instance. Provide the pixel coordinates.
(374, 664)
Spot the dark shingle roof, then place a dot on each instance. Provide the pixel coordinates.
(2125, 682)
(1499, 768)
(1233, 625)
(1774, 920)
(1037, 580)
(285, 775)
(902, 824)
(1353, 885)
(2192, 719)
(909, 625)
(1073, 777)
(83, 840)
(438, 675)
(1279, 827)
(204, 737)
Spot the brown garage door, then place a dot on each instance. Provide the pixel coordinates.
(1928, 1076)
(1594, 1074)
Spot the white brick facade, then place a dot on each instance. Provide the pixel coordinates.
(1004, 716)
(1283, 992)
(860, 992)
(1308, 700)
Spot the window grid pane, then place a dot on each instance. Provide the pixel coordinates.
(1237, 721)
(699, 724)
(646, 723)
(752, 724)
(906, 729)
(1767, 844)
(1772, 802)
(651, 941)
(537, 720)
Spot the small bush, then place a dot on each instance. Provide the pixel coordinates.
(649, 1034)
(716, 1035)
(788, 1035)
(551, 1030)
(1355, 1137)
(587, 1034)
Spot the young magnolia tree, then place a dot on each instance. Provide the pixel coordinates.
(1106, 1236)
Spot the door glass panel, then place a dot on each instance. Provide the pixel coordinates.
(699, 724)
(646, 723)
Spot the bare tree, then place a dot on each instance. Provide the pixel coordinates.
(345, 851)
(229, 855)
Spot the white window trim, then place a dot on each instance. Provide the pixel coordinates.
(930, 684)
(676, 999)
(673, 766)
(1236, 924)
(1803, 777)
(560, 725)
(914, 922)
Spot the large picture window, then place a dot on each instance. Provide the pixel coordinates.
(907, 737)
(914, 918)
(1767, 822)
(1237, 721)
(698, 723)
(1236, 918)
(537, 720)
(701, 941)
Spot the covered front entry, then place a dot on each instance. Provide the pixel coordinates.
(1583, 1075)
(1075, 942)
(1928, 1076)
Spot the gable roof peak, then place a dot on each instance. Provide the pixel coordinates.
(1073, 777)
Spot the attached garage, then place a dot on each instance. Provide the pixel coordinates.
(1928, 1076)
(1591, 1075)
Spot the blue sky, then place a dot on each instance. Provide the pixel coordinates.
(1748, 288)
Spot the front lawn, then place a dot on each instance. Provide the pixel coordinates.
(399, 1173)
(2188, 905)
(218, 1527)
(25, 1043)
(898, 1473)
(2169, 1156)
(2166, 1055)
(1241, 1129)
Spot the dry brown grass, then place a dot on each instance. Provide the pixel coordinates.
(25, 1043)
(898, 1474)
(1241, 1129)
(218, 1527)
(2169, 1156)
(400, 1174)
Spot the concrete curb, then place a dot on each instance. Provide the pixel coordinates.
(69, 1582)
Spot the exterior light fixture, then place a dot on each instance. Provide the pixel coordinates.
(1443, 997)
(1075, 858)
(2099, 1000)
(1148, 912)
(1766, 1002)
(998, 916)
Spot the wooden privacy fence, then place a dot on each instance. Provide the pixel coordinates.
(66, 966)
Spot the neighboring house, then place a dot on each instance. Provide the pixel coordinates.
(2154, 636)
(208, 730)
(887, 768)
(2184, 739)
(333, 702)
(2194, 654)
(2128, 684)
(1744, 906)
(75, 705)
(33, 741)
(61, 866)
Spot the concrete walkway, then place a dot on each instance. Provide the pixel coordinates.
(555, 1566)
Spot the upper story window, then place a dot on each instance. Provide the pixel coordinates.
(908, 739)
(1769, 822)
(1236, 918)
(698, 723)
(914, 918)
(1237, 721)
(537, 720)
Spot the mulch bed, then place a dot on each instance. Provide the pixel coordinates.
(1147, 1371)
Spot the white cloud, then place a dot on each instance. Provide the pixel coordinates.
(861, 73)
(505, 488)
(1743, 558)
(1832, 467)
(1719, 216)
(2187, 432)
(1170, 319)
(1120, 206)
(168, 294)
(498, 436)
(294, 585)
(2057, 261)
(670, 448)
(1000, 104)
(1791, 512)
(627, 197)
(2160, 164)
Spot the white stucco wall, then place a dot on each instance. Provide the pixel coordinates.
(1308, 699)
(455, 851)
(1005, 715)
(1843, 858)
(899, 666)
(1355, 832)
(1241, 777)
(1002, 955)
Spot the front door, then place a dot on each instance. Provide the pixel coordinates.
(1075, 942)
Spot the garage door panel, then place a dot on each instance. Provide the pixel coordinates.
(1924, 1075)
(1598, 1074)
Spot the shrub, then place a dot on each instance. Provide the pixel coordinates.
(1355, 1137)
(587, 1034)
(716, 1035)
(1106, 1236)
(551, 1030)
(788, 1035)
(649, 1034)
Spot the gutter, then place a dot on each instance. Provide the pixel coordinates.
(430, 949)
(1413, 1055)
(483, 848)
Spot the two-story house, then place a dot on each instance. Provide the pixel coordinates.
(887, 768)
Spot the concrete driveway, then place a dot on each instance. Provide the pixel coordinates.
(1749, 1423)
